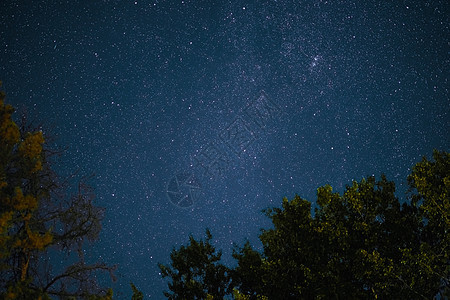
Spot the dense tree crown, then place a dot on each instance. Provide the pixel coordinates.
(196, 273)
(20, 164)
(37, 221)
(361, 244)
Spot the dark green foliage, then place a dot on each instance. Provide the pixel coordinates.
(347, 250)
(195, 271)
(362, 244)
(430, 187)
(248, 273)
(137, 294)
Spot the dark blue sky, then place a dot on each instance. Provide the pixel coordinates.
(252, 100)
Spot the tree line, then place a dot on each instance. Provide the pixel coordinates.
(364, 243)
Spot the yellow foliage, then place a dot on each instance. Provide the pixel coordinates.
(38, 241)
(31, 146)
(20, 156)
(324, 194)
(9, 132)
(37, 167)
(318, 229)
(10, 295)
(239, 296)
(34, 240)
(26, 217)
(354, 197)
(21, 202)
(447, 181)
(3, 184)
(4, 220)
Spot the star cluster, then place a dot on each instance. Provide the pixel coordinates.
(146, 92)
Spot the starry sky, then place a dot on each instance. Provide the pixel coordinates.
(196, 114)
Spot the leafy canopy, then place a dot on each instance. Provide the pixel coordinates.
(38, 221)
(361, 244)
(195, 271)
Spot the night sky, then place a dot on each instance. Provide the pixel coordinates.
(195, 115)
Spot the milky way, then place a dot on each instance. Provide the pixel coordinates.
(195, 115)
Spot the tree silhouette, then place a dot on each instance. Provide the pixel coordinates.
(195, 271)
(361, 244)
(38, 221)
(137, 295)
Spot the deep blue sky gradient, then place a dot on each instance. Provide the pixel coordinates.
(137, 89)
